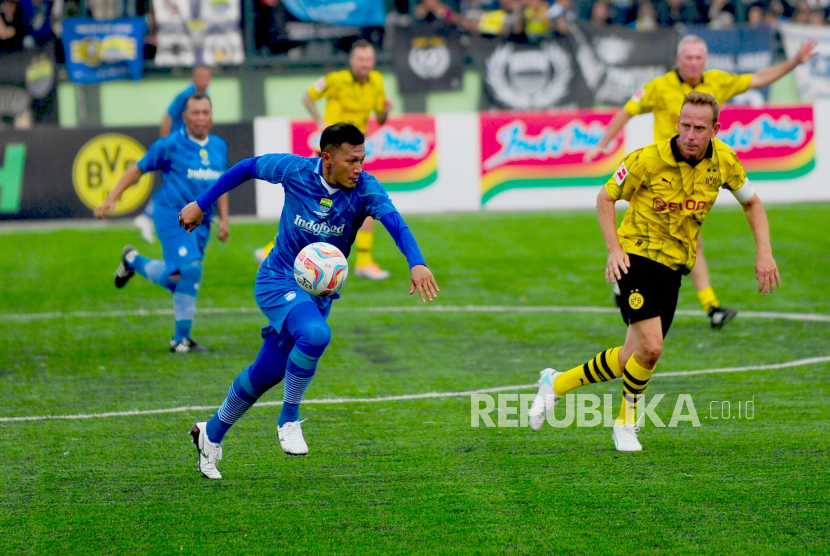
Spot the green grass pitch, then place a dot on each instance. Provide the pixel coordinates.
(412, 476)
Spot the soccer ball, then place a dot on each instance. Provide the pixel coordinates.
(321, 269)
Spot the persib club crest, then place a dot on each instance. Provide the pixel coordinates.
(325, 204)
(204, 154)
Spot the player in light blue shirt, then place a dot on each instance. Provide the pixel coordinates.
(172, 123)
(326, 199)
(190, 161)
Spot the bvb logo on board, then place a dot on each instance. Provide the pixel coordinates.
(100, 164)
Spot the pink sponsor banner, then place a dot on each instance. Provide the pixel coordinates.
(402, 154)
(544, 149)
(771, 143)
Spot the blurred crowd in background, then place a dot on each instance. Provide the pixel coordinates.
(30, 23)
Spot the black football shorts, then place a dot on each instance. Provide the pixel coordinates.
(649, 290)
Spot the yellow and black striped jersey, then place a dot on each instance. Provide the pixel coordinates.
(669, 198)
(664, 96)
(349, 100)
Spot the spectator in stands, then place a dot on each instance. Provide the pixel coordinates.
(771, 19)
(673, 12)
(814, 5)
(560, 14)
(646, 18)
(12, 26)
(564, 8)
(622, 12)
(775, 13)
(103, 10)
(755, 16)
(801, 14)
(535, 19)
(717, 7)
(600, 14)
(502, 21)
(435, 10)
(270, 27)
(42, 17)
(816, 17)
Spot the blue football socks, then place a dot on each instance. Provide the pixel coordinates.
(267, 371)
(311, 335)
(154, 271)
(184, 299)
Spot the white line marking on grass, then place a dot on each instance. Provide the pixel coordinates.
(18, 317)
(429, 395)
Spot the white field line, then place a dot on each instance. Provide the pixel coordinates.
(22, 317)
(429, 395)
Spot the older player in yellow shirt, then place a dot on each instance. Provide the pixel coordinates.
(664, 96)
(670, 187)
(351, 96)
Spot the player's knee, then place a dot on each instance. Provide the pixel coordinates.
(651, 351)
(191, 272)
(315, 337)
(320, 334)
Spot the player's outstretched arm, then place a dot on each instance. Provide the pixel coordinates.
(618, 261)
(130, 176)
(766, 271)
(421, 278)
(422, 281)
(766, 76)
(614, 126)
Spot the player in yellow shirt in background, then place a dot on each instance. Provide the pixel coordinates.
(670, 186)
(351, 96)
(664, 96)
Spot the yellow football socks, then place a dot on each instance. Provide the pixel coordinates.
(635, 380)
(605, 366)
(363, 242)
(708, 299)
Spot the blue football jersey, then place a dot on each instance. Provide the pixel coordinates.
(176, 108)
(187, 168)
(315, 211)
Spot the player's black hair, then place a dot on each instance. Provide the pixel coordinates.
(337, 134)
(361, 43)
(197, 96)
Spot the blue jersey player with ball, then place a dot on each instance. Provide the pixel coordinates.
(326, 200)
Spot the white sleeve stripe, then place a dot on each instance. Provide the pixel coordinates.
(745, 193)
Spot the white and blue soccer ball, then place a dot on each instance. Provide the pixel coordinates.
(321, 269)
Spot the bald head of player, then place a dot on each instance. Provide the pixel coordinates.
(198, 115)
(343, 152)
(697, 124)
(692, 55)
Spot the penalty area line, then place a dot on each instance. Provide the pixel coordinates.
(406, 397)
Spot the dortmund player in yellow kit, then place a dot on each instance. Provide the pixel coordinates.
(664, 95)
(670, 186)
(351, 96)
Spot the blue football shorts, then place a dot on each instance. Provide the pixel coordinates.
(277, 294)
(179, 247)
